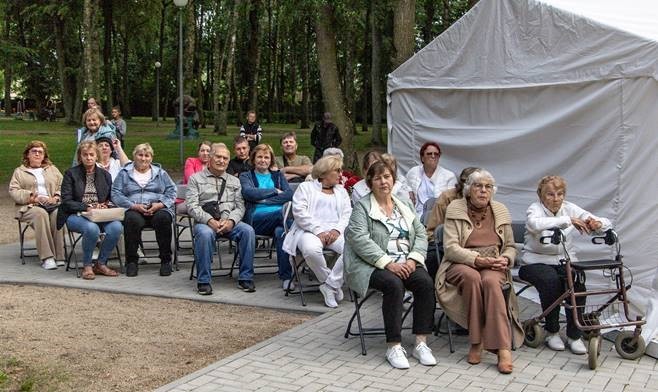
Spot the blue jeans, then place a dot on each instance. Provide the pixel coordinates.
(204, 245)
(271, 224)
(90, 232)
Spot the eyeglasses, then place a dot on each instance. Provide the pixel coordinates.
(35, 151)
(432, 154)
(487, 187)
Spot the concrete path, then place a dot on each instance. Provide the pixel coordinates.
(316, 357)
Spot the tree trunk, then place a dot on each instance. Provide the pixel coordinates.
(271, 38)
(365, 69)
(217, 93)
(91, 46)
(445, 22)
(333, 97)
(66, 85)
(306, 115)
(125, 109)
(221, 124)
(430, 11)
(404, 23)
(7, 65)
(107, 53)
(253, 52)
(189, 50)
(375, 80)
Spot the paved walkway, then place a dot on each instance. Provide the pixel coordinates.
(316, 357)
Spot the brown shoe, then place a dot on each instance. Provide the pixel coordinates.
(505, 365)
(102, 269)
(88, 273)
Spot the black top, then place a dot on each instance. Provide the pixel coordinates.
(237, 166)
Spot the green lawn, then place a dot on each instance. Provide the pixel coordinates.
(60, 139)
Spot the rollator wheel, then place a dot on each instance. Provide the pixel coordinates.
(534, 334)
(629, 347)
(593, 350)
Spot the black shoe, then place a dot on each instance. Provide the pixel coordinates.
(131, 269)
(165, 269)
(247, 286)
(204, 288)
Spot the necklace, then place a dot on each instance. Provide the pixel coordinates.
(477, 215)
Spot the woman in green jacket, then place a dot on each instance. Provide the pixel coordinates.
(385, 246)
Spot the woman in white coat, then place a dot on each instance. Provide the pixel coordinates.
(321, 209)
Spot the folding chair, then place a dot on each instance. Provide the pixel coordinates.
(182, 222)
(298, 264)
(518, 227)
(438, 243)
(361, 331)
(74, 238)
(427, 207)
(22, 228)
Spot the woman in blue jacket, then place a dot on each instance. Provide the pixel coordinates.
(265, 191)
(147, 193)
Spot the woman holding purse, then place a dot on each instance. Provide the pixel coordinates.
(87, 187)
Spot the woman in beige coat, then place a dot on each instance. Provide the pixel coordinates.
(479, 251)
(35, 187)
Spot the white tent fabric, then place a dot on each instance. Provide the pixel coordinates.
(527, 88)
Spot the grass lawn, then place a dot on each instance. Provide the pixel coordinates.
(60, 139)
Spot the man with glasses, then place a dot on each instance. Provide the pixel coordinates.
(428, 180)
(214, 200)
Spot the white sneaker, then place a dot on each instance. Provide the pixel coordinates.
(140, 252)
(60, 263)
(329, 296)
(339, 294)
(423, 354)
(49, 264)
(285, 285)
(577, 346)
(397, 357)
(94, 254)
(554, 342)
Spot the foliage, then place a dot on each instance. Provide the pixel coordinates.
(60, 139)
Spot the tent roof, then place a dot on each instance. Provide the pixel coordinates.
(522, 43)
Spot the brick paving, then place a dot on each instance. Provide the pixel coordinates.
(315, 356)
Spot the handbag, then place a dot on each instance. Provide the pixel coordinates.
(48, 207)
(100, 215)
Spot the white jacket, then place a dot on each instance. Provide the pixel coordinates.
(304, 206)
(538, 222)
(400, 189)
(442, 179)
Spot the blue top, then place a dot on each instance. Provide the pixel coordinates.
(265, 182)
(255, 195)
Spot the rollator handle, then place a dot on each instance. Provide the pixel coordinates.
(555, 238)
(609, 238)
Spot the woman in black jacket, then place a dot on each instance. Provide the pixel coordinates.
(85, 187)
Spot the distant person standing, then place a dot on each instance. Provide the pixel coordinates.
(324, 135)
(91, 103)
(119, 124)
(251, 130)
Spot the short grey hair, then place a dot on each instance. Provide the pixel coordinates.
(333, 151)
(477, 177)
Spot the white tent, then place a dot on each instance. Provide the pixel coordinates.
(527, 88)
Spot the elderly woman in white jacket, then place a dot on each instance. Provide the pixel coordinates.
(542, 268)
(321, 209)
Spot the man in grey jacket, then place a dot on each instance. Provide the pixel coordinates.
(214, 200)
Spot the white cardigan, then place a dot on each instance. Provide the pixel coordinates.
(304, 206)
(538, 222)
(400, 189)
(442, 179)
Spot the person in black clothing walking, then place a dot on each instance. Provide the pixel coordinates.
(251, 130)
(324, 135)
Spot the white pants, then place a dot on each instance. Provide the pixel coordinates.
(311, 248)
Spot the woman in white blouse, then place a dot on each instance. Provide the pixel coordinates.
(542, 268)
(321, 209)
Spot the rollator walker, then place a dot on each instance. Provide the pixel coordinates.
(614, 312)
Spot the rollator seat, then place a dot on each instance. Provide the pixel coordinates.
(595, 264)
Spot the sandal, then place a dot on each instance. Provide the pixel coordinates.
(505, 365)
(88, 273)
(102, 269)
